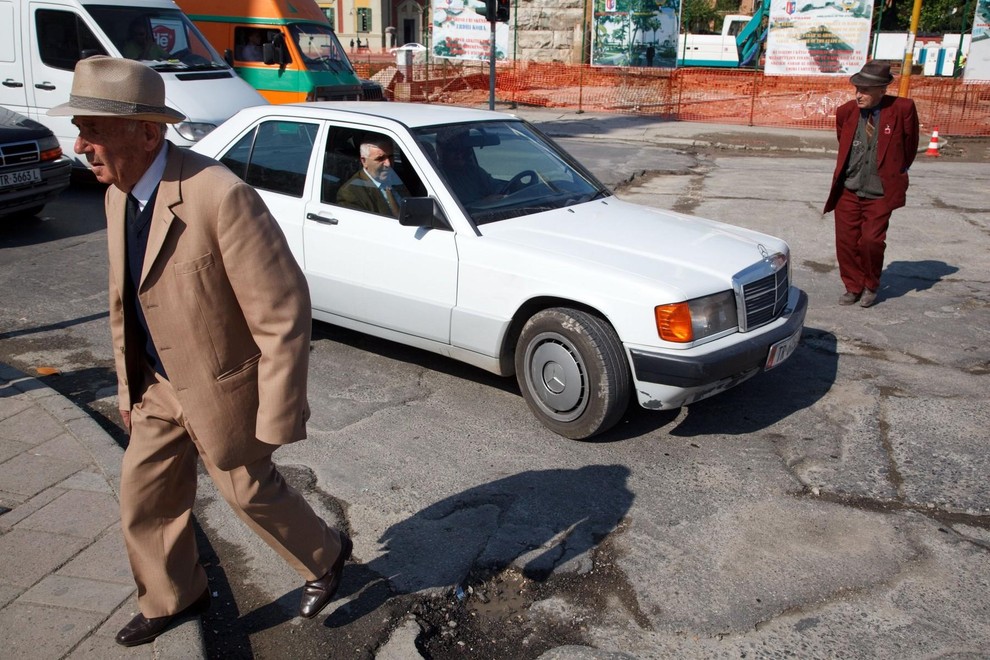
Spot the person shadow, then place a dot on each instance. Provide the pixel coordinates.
(540, 521)
(903, 277)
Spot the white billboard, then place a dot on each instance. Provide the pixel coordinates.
(818, 37)
(459, 32)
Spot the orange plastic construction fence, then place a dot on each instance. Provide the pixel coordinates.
(723, 96)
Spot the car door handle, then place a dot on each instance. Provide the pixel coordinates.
(12, 83)
(45, 86)
(321, 218)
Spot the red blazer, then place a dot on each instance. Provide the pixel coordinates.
(897, 145)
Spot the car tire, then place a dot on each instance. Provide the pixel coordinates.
(573, 372)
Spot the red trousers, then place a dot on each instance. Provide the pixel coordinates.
(860, 240)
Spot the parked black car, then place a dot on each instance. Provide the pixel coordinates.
(33, 170)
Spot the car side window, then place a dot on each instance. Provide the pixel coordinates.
(274, 156)
(375, 184)
(248, 44)
(63, 39)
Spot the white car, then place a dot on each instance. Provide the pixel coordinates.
(510, 256)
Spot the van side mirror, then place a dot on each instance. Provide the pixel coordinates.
(268, 53)
(422, 212)
(228, 57)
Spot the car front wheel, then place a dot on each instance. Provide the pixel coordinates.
(573, 372)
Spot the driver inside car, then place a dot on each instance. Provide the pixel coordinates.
(141, 43)
(460, 166)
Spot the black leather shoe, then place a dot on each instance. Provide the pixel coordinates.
(317, 593)
(142, 630)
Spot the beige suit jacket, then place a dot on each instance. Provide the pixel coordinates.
(227, 307)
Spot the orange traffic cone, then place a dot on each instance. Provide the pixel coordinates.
(933, 144)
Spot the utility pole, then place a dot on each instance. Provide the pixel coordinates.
(491, 70)
(909, 51)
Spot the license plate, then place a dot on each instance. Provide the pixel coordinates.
(8, 179)
(783, 349)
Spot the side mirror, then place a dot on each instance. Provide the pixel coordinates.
(422, 212)
(268, 53)
(228, 57)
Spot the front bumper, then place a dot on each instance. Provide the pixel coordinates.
(676, 378)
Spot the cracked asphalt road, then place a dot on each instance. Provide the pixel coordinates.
(833, 507)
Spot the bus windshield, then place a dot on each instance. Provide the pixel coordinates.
(321, 51)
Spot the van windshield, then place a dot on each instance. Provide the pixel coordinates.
(164, 38)
(319, 48)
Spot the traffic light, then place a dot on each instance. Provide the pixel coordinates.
(502, 11)
(493, 10)
(486, 8)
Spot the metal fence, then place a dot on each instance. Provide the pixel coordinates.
(724, 96)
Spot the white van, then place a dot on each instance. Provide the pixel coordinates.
(41, 41)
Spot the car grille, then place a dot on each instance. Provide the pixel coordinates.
(19, 153)
(761, 292)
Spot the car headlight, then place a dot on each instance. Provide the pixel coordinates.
(193, 131)
(696, 319)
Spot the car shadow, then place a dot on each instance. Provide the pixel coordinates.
(410, 355)
(537, 520)
(769, 397)
(751, 406)
(77, 211)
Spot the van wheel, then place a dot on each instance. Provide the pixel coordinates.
(573, 372)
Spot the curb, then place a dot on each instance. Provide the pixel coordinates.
(181, 642)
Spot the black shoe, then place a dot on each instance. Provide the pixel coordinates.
(318, 593)
(142, 630)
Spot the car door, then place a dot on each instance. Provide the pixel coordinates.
(275, 156)
(13, 93)
(366, 267)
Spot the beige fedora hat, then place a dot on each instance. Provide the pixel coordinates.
(114, 87)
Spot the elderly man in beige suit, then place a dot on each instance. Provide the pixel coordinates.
(210, 318)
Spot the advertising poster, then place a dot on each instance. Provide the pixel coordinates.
(635, 32)
(459, 32)
(818, 37)
(978, 61)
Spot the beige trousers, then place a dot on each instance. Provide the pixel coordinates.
(157, 491)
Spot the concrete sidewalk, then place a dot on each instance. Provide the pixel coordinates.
(65, 584)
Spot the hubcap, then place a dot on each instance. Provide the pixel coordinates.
(556, 373)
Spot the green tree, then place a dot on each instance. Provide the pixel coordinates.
(697, 15)
(937, 16)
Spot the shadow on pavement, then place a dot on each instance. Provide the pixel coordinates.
(536, 520)
(902, 277)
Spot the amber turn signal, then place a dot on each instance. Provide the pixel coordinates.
(674, 322)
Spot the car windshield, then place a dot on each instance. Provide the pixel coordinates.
(319, 47)
(164, 38)
(505, 169)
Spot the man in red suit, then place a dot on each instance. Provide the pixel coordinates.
(878, 140)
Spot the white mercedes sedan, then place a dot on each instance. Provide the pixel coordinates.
(469, 233)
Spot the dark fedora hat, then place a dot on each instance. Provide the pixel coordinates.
(873, 74)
